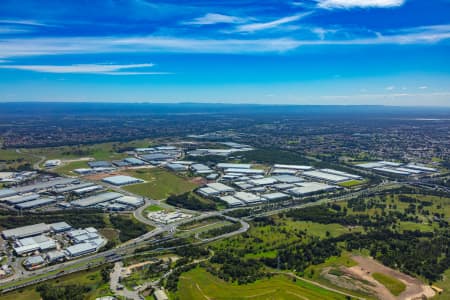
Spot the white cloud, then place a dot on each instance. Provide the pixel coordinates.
(106, 69)
(390, 88)
(424, 87)
(330, 4)
(212, 18)
(15, 47)
(252, 27)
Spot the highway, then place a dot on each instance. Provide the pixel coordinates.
(128, 247)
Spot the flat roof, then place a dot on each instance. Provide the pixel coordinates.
(263, 181)
(35, 203)
(44, 184)
(340, 173)
(244, 171)
(247, 197)
(25, 231)
(96, 199)
(21, 198)
(220, 187)
(275, 196)
(121, 180)
(325, 176)
(236, 166)
(130, 200)
(232, 201)
(295, 167)
(7, 193)
(60, 226)
(310, 187)
(288, 178)
(80, 249)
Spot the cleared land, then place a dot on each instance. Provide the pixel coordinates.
(395, 286)
(159, 183)
(199, 284)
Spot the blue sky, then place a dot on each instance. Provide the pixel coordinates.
(391, 52)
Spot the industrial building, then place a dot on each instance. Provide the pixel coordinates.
(326, 176)
(394, 168)
(33, 262)
(99, 164)
(201, 169)
(31, 244)
(308, 188)
(233, 166)
(35, 203)
(25, 231)
(277, 196)
(231, 201)
(80, 249)
(60, 227)
(121, 180)
(244, 171)
(177, 167)
(167, 217)
(96, 199)
(220, 187)
(130, 201)
(293, 167)
(247, 197)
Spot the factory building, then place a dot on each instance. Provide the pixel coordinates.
(33, 262)
(220, 187)
(130, 201)
(233, 166)
(60, 227)
(99, 164)
(121, 180)
(247, 197)
(293, 167)
(80, 249)
(96, 199)
(36, 203)
(177, 167)
(308, 188)
(275, 196)
(231, 201)
(25, 231)
(325, 176)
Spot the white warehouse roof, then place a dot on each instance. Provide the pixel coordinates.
(121, 180)
(26, 231)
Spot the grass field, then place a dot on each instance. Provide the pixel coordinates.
(91, 278)
(445, 285)
(67, 169)
(395, 286)
(159, 183)
(199, 284)
(351, 183)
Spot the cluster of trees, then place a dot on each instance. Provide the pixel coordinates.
(424, 254)
(324, 215)
(192, 252)
(221, 230)
(63, 292)
(191, 201)
(127, 228)
(76, 218)
(233, 268)
(301, 255)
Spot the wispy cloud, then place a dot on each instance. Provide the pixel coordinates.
(213, 18)
(331, 4)
(153, 44)
(105, 69)
(22, 22)
(252, 27)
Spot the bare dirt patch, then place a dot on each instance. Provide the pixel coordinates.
(415, 289)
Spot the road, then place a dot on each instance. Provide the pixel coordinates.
(115, 286)
(133, 244)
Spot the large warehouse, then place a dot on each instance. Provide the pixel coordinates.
(121, 180)
(25, 231)
(96, 199)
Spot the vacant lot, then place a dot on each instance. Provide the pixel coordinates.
(159, 183)
(199, 284)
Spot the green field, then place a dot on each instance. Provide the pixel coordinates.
(395, 286)
(159, 183)
(91, 278)
(67, 169)
(199, 284)
(351, 183)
